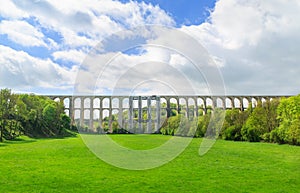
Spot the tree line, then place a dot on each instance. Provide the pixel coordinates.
(31, 115)
(276, 121)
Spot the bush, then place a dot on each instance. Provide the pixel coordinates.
(232, 133)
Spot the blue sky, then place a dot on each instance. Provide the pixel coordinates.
(45, 45)
(192, 12)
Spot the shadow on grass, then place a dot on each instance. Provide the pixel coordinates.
(19, 141)
(47, 136)
(2, 144)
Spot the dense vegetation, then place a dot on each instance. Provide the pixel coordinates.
(272, 121)
(275, 121)
(31, 115)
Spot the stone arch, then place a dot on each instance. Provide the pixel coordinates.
(77, 102)
(220, 103)
(96, 103)
(228, 103)
(87, 102)
(209, 102)
(96, 114)
(125, 103)
(57, 99)
(115, 113)
(263, 100)
(174, 103)
(254, 102)
(245, 103)
(67, 112)
(191, 107)
(67, 102)
(182, 102)
(200, 102)
(86, 114)
(191, 102)
(115, 103)
(237, 103)
(105, 119)
(105, 103)
(201, 105)
(163, 104)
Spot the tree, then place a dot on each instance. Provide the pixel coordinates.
(262, 120)
(7, 111)
(233, 124)
(289, 118)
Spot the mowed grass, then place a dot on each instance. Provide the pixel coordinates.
(67, 165)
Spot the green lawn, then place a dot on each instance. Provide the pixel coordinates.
(66, 165)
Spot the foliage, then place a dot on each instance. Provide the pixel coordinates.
(262, 120)
(32, 115)
(289, 117)
(233, 123)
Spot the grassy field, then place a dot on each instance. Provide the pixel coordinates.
(67, 165)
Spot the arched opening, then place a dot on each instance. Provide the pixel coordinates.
(67, 112)
(228, 103)
(201, 106)
(115, 103)
(96, 103)
(77, 116)
(77, 103)
(86, 115)
(254, 102)
(174, 107)
(237, 103)
(105, 103)
(114, 123)
(245, 103)
(67, 102)
(220, 103)
(125, 103)
(209, 103)
(105, 120)
(191, 107)
(87, 103)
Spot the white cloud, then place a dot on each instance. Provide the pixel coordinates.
(82, 23)
(19, 70)
(69, 30)
(22, 33)
(257, 43)
(9, 10)
(159, 66)
(71, 55)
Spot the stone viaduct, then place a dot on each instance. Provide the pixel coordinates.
(147, 113)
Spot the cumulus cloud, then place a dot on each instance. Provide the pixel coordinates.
(68, 30)
(165, 63)
(74, 56)
(83, 23)
(22, 33)
(19, 70)
(256, 42)
(9, 10)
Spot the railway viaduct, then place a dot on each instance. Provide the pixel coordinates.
(147, 112)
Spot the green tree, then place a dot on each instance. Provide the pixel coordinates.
(262, 120)
(233, 124)
(289, 117)
(8, 109)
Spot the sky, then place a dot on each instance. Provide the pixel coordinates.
(150, 47)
